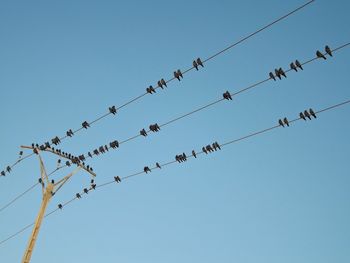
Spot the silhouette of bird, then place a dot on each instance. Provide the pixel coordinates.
(286, 122)
(292, 66)
(298, 64)
(281, 71)
(194, 154)
(176, 76)
(195, 65)
(277, 73)
(204, 150)
(179, 73)
(328, 50)
(307, 114)
(200, 63)
(163, 82)
(320, 55)
(158, 165)
(272, 76)
(313, 114)
(301, 115)
(280, 122)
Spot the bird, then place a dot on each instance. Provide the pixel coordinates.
(179, 73)
(158, 165)
(227, 95)
(281, 71)
(194, 154)
(117, 179)
(277, 73)
(307, 114)
(328, 50)
(85, 124)
(298, 64)
(313, 114)
(217, 145)
(86, 190)
(320, 55)
(160, 84)
(272, 76)
(204, 150)
(78, 195)
(195, 65)
(176, 76)
(280, 122)
(150, 90)
(59, 206)
(163, 82)
(301, 115)
(292, 66)
(285, 120)
(200, 63)
(112, 110)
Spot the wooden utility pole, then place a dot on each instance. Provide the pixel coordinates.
(49, 188)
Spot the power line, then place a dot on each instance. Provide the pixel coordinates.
(332, 107)
(27, 190)
(202, 108)
(187, 70)
(221, 99)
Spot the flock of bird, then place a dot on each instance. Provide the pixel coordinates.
(79, 160)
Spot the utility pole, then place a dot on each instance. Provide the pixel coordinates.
(49, 188)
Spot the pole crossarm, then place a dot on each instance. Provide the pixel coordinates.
(60, 155)
(61, 182)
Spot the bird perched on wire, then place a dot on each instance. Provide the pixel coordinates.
(195, 65)
(292, 66)
(307, 114)
(302, 116)
(227, 95)
(282, 73)
(277, 73)
(204, 150)
(285, 121)
(272, 76)
(194, 154)
(85, 124)
(328, 50)
(320, 55)
(112, 110)
(280, 122)
(150, 90)
(178, 74)
(298, 64)
(313, 114)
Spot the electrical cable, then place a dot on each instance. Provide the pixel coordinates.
(332, 107)
(187, 70)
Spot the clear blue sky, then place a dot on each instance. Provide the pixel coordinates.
(279, 197)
